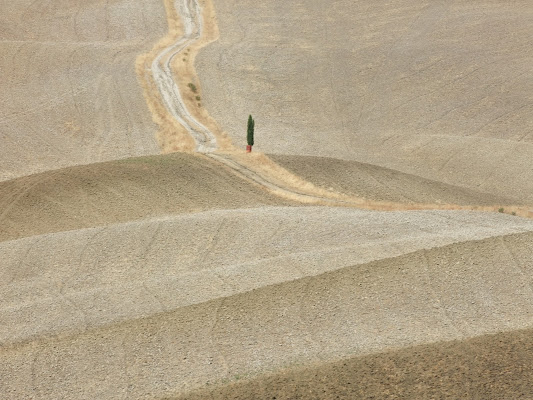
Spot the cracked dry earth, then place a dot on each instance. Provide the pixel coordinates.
(175, 276)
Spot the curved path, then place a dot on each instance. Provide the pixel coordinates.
(284, 191)
(190, 12)
(206, 142)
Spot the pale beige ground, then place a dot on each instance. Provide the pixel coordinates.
(156, 276)
(163, 306)
(121, 191)
(185, 70)
(380, 184)
(436, 89)
(69, 91)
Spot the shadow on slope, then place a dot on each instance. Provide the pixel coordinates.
(487, 367)
(382, 184)
(454, 292)
(120, 191)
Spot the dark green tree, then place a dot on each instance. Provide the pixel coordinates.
(250, 136)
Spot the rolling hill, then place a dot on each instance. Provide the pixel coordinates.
(211, 273)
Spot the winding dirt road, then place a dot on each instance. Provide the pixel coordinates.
(157, 276)
(271, 176)
(206, 142)
(190, 12)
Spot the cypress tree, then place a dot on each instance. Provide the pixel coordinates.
(250, 136)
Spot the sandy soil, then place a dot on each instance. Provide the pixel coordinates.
(488, 367)
(120, 191)
(155, 277)
(70, 94)
(382, 184)
(436, 89)
(153, 344)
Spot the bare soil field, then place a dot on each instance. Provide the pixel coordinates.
(95, 327)
(120, 191)
(69, 91)
(213, 275)
(493, 367)
(437, 89)
(199, 257)
(382, 184)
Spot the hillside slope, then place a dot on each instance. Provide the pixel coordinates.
(70, 94)
(120, 191)
(382, 184)
(436, 89)
(491, 367)
(177, 275)
(99, 330)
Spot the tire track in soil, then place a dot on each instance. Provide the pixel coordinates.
(190, 12)
(161, 69)
(26, 188)
(206, 142)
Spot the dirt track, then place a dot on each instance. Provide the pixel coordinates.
(170, 84)
(435, 89)
(121, 191)
(163, 76)
(159, 276)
